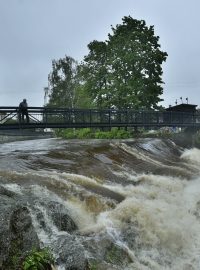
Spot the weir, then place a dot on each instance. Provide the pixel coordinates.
(43, 117)
(131, 204)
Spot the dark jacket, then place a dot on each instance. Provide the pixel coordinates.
(23, 106)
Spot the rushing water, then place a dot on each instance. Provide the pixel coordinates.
(141, 196)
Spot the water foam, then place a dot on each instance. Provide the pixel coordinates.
(14, 188)
(162, 209)
(192, 156)
(161, 212)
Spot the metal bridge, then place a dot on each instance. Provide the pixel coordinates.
(43, 117)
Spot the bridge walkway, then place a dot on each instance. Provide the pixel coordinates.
(43, 117)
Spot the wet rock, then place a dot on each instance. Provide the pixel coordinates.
(104, 253)
(21, 227)
(55, 213)
(95, 264)
(6, 192)
(6, 207)
(71, 253)
(61, 217)
(20, 238)
(131, 235)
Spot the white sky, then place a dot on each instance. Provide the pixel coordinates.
(33, 32)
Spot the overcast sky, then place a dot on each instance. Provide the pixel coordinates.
(33, 32)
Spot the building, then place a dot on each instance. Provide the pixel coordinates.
(182, 113)
(188, 108)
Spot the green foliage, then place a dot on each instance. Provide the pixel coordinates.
(66, 89)
(83, 99)
(94, 71)
(70, 133)
(65, 133)
(115, 133)
(84, 133)
(93, 265)
(62, 82)
(15, 261)
(38, 260)
(87, 133)
(113, 255)
(125, 70)
(117, 256)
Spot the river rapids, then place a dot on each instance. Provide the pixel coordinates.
(98, 204)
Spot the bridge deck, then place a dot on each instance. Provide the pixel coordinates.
(41, 117)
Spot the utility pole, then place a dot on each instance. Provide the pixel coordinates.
(46, 95)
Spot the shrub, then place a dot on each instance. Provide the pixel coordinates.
(38, 260)
(84, 133)
(88, 133)
(115, 133)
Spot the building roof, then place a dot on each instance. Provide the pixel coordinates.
(182, 108)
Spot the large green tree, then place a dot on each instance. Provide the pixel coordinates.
(125, 71)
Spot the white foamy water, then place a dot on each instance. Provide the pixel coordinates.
(14, 188)
(165, 213)
(165, 221)
(192, 155)
(157, 221)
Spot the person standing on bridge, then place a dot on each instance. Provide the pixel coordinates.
(23, 111)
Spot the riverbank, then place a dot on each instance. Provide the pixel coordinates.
(183, 139)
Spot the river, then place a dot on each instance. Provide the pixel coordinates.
(99, 204)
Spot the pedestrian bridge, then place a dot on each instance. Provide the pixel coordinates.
(43, 117)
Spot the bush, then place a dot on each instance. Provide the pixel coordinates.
(84, 133)
(115, 133)
(38, 260)
(65, 133)
(88, 133)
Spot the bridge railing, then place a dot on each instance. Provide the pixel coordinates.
(61, 117)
